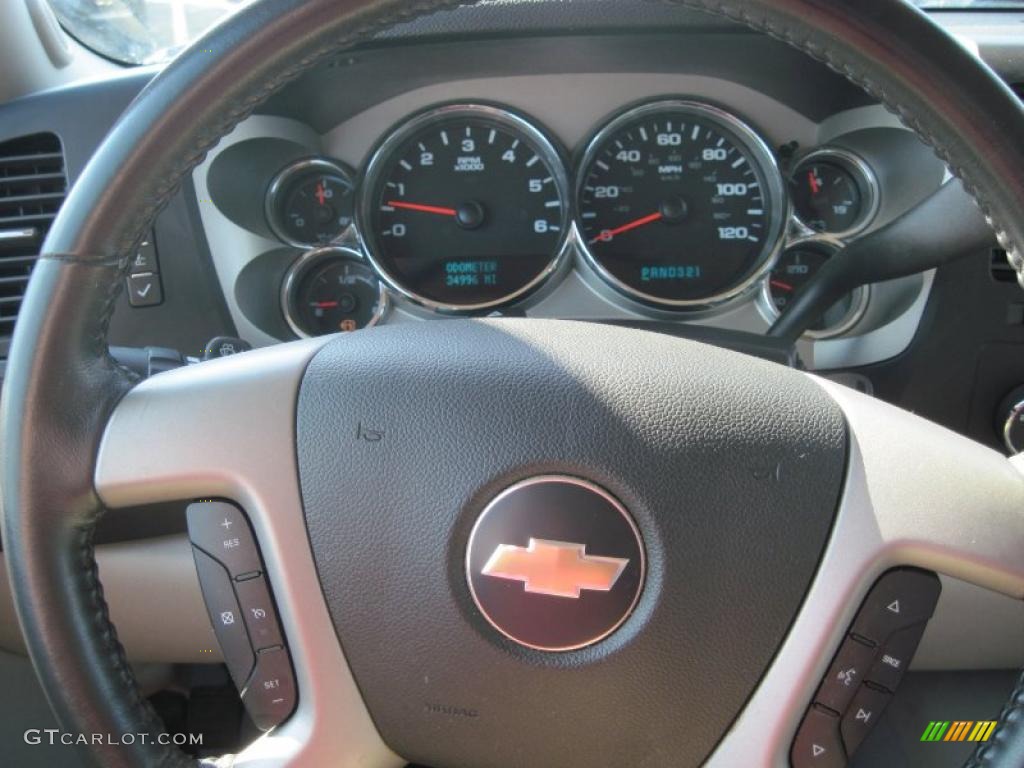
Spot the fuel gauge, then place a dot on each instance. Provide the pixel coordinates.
(332, 290)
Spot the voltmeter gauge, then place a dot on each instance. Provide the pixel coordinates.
(310, 202)
(834, 192)
(332, 290)
(793, 270)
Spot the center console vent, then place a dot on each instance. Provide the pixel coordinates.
(33, 183)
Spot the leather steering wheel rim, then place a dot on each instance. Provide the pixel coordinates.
(62, 385)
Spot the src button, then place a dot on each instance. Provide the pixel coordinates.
(895, 656)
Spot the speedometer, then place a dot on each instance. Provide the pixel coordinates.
(465, 207)
(680, 204)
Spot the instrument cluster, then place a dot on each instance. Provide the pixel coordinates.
(675, 204)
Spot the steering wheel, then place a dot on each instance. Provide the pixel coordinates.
(765, 502)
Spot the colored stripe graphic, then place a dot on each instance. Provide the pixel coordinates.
(935, 730)
(958, 730)
(984, 734)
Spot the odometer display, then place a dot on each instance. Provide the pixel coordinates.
(680, 204)
(465, 208)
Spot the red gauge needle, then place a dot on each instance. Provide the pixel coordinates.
(815, 186)
(325, 304)
(608, 234)
(321, 195)
(781, 285)
(422, 208)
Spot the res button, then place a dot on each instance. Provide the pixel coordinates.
(221, 530)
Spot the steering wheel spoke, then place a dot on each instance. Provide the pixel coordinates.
(226, 429)
(915, 494)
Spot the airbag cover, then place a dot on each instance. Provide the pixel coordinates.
(730, 467)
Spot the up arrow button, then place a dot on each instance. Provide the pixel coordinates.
(901, 598)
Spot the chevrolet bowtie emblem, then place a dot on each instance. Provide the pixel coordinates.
(557, 568)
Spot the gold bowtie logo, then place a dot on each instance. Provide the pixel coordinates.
(557, 568)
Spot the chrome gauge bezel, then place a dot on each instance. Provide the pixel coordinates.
(378, 164)
(863, 175)
(858, 306)
(313, 258)
(766, 165)
(286, 176)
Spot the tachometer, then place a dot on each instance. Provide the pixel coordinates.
(465, 208)
(680, 204)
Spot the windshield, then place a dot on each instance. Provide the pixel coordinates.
(152, 31)
(958, 5)
(140, 31)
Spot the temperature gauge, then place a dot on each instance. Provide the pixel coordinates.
(332, 290)
(310, 202)
(834, 192)
(794, 269)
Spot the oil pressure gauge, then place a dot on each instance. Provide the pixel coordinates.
(309, 203)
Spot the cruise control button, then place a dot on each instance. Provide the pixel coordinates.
(270, 695)
(817, 743)
(223, 532)
(848, 671)
(260, 616)
(899, 599)
(226, 616)
(865, 709)
(895, 656)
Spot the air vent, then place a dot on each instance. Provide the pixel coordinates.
(32, 187)
(1002, 272)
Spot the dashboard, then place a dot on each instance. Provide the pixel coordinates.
(648, 167)
(619, 190)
